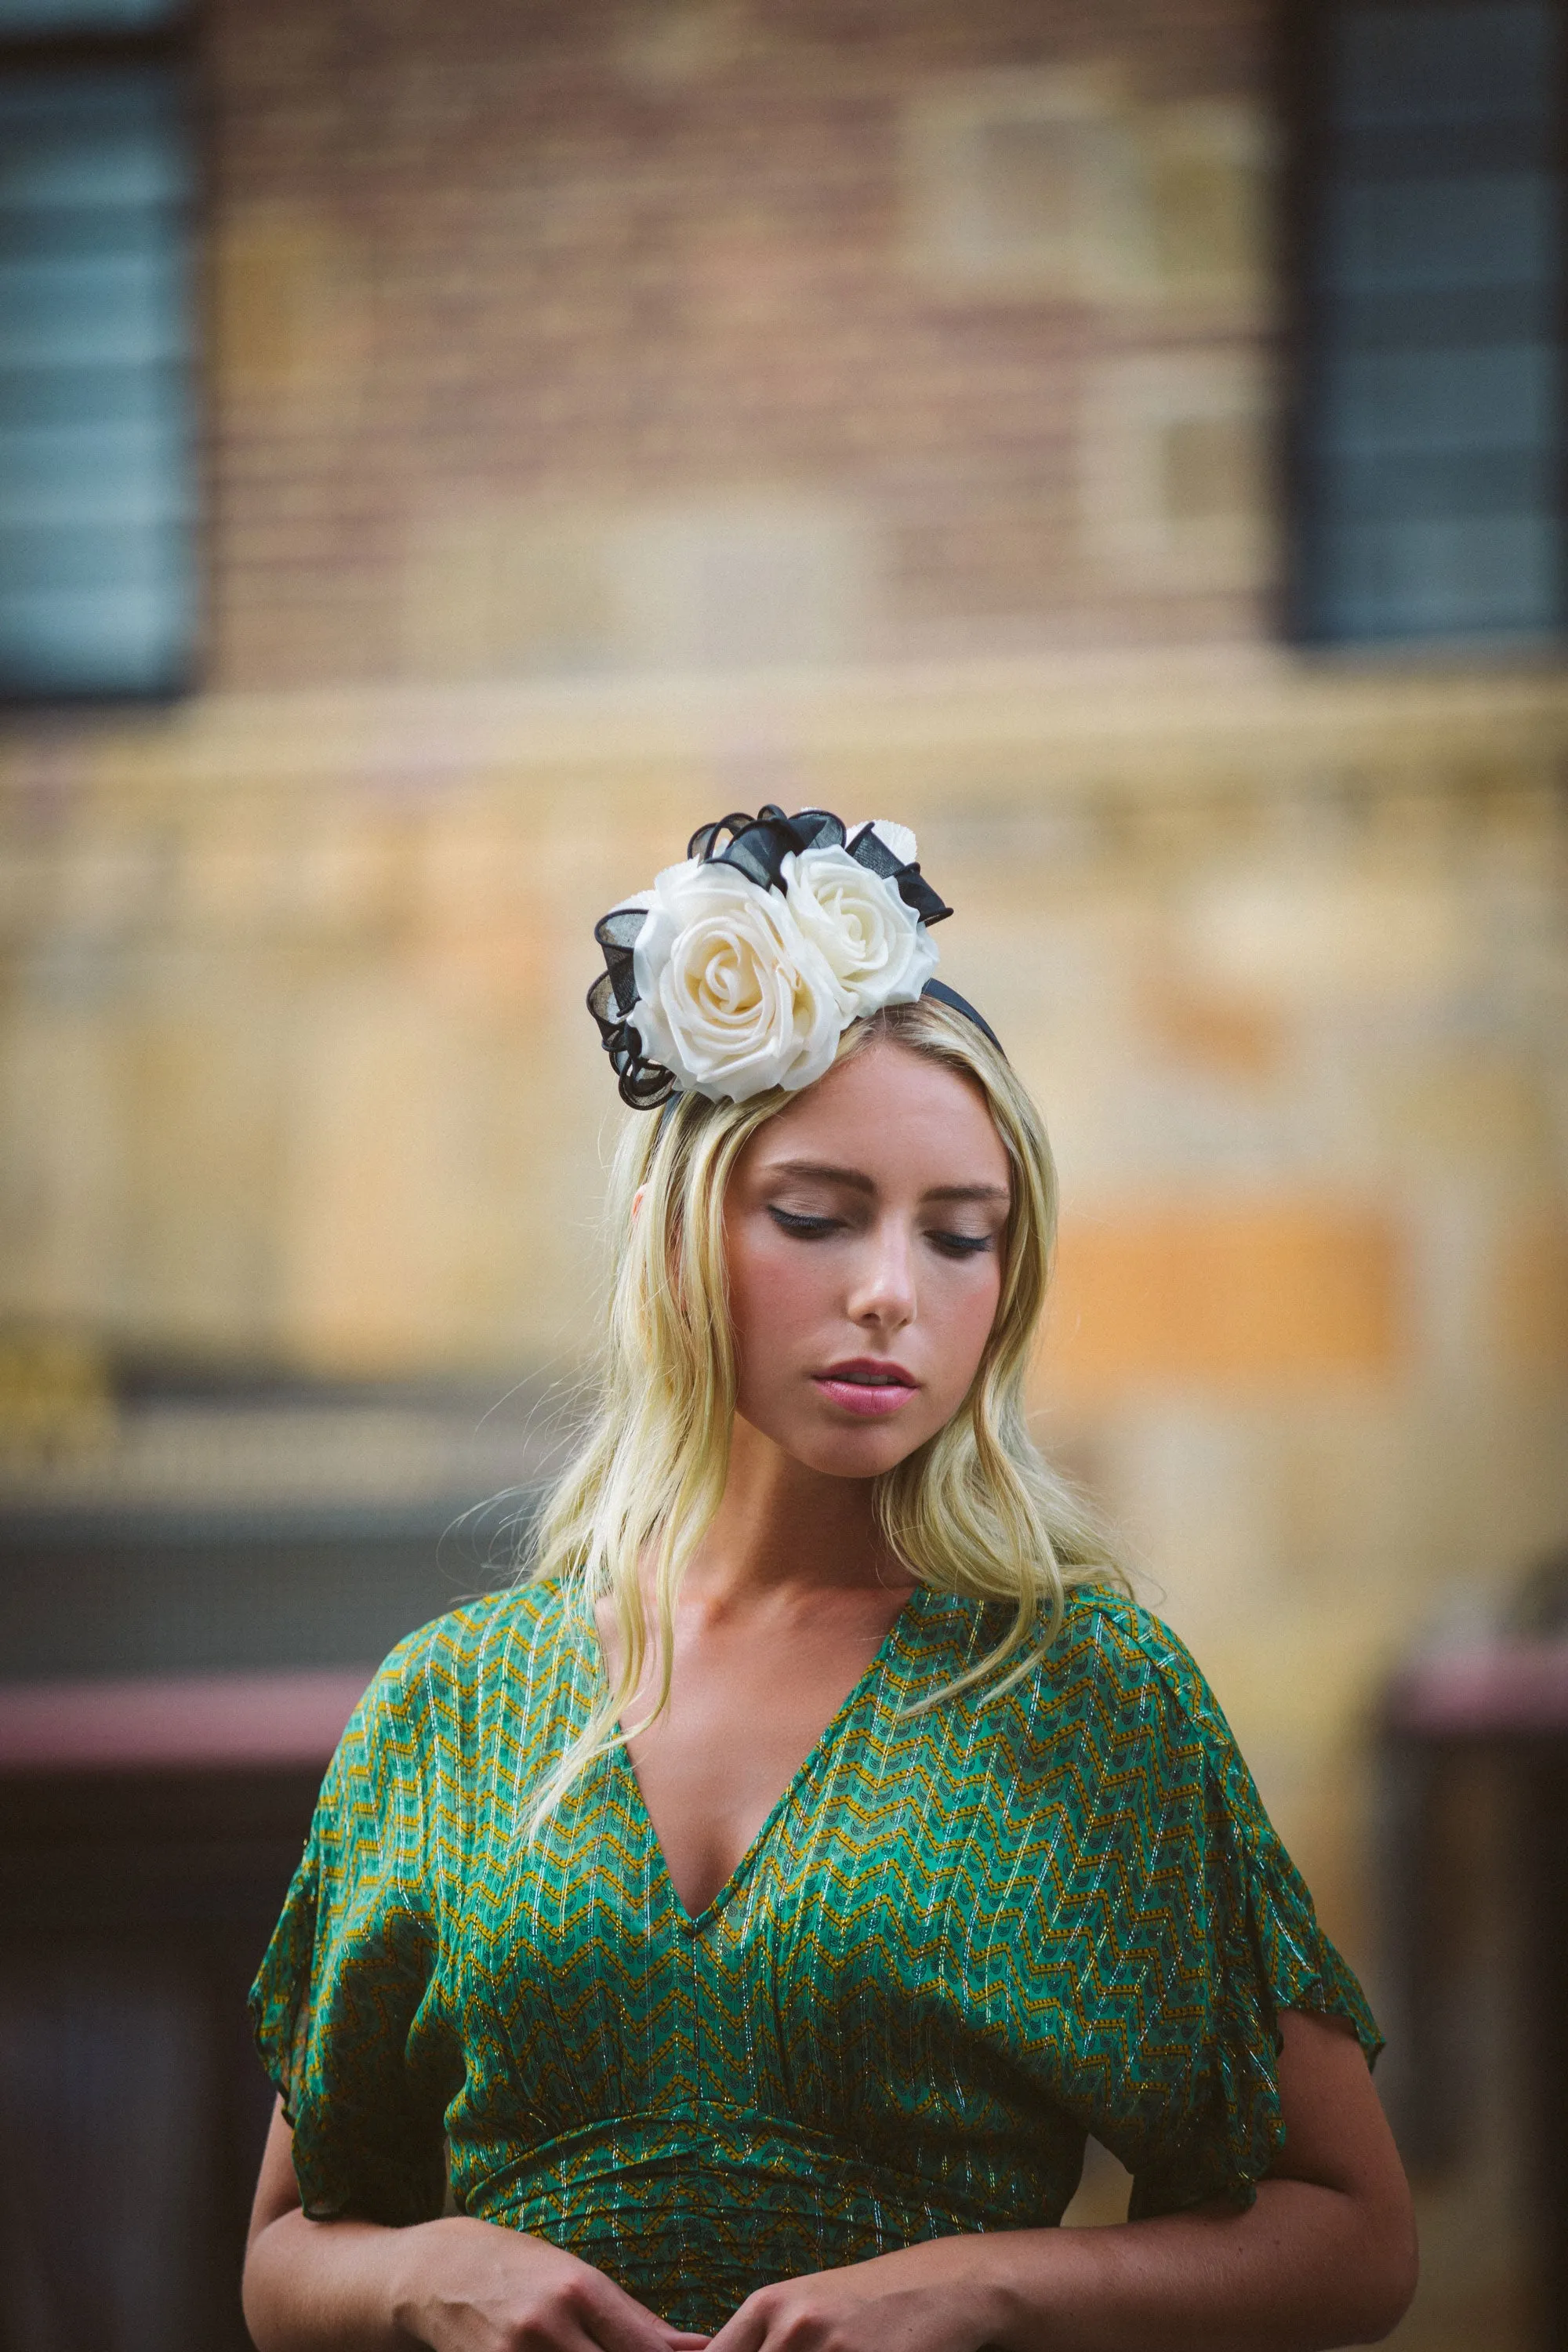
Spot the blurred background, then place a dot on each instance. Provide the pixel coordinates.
(447, 453)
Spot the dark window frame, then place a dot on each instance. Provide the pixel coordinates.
(176, 43)
(1303, 33)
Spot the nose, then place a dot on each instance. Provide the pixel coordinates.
(882, 1293)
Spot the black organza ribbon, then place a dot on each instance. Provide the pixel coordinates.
(644, 1084)
(757, 847)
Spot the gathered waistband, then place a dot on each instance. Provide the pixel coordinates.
(693, 2210)
(717, 2153)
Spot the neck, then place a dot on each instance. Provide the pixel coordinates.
(781, 1525)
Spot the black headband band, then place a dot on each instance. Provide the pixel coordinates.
(940, 989)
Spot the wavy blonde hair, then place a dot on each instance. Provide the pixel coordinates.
(974, 1510)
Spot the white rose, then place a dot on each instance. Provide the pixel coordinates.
(876, 947)
(730, 997)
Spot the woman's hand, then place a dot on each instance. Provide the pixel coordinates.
(927, 2298)
(467, 2287)
(1325, 2256)
(455, 2285)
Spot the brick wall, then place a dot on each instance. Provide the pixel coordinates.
(693, 335)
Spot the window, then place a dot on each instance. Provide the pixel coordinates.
(1429, 432)
(98, 591)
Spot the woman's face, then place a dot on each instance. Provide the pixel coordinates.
(864, 1227)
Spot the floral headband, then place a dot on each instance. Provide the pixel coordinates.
(741, 969)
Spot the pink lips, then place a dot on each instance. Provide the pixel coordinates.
(869, 1389)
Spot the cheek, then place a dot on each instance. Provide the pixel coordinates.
(964, 1319)
(771, 1296)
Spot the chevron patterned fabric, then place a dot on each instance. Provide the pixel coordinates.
(962, 1941)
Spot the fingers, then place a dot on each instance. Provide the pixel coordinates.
(616, 2322)
(744, 2331)
(499, 2290)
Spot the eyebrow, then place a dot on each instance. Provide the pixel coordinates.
(859, 1183)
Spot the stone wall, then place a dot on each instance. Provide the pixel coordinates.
(297, 1068)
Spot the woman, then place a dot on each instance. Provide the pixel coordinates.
(732, 1934)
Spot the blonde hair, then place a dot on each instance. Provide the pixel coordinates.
(975, 1510)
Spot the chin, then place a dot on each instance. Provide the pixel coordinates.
(855, 1453)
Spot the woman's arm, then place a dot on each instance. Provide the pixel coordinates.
(1326, 2256)
(455, 2285)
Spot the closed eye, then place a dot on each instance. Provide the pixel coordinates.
(961, 1245)
(804, 1228)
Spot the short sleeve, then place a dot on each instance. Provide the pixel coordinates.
(1228, 1937)
(342, 2006)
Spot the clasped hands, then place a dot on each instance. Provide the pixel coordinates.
(505, 2293)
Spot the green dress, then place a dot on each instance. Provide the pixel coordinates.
(961, 1941)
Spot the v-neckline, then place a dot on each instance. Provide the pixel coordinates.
(620, 1760)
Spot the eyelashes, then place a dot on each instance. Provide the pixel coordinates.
(807, 1228)
(962, 1244)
